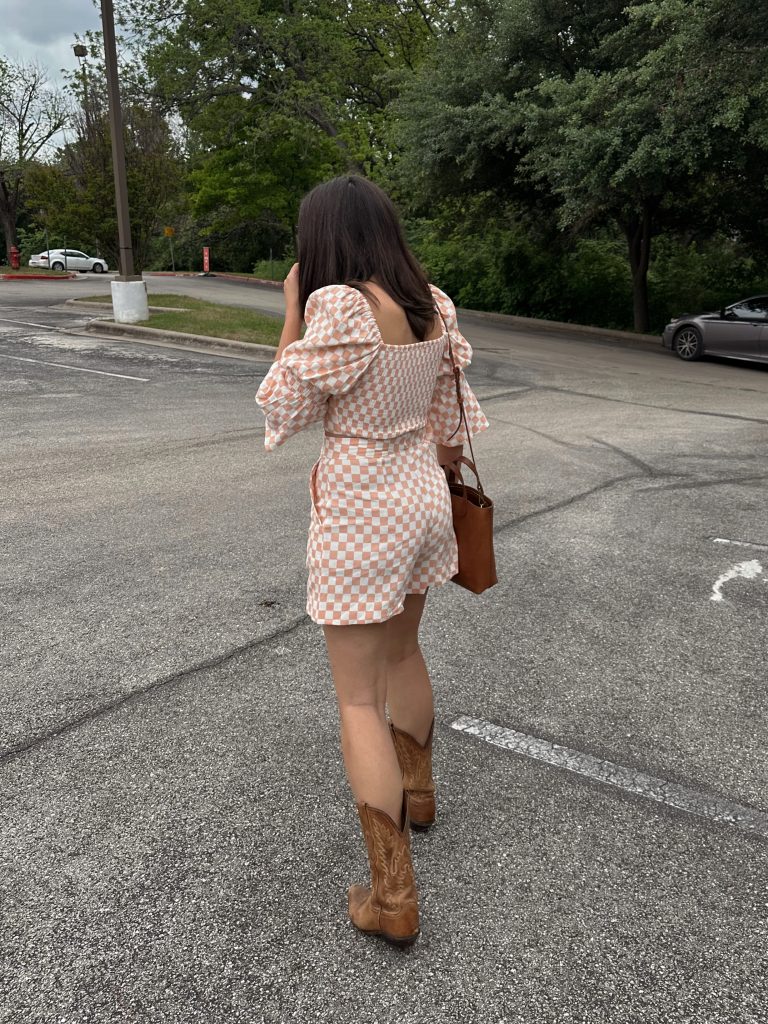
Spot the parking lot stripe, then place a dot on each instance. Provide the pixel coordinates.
(67, 366)
(26, 323)
(682, 798)
(740, 543)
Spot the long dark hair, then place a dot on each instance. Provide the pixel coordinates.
(349, 232)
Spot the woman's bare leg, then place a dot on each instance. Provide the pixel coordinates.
(358, 659)
(409, 690)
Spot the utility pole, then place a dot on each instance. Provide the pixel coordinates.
(129, 293)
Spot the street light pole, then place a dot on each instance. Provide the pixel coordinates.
(129, 293)
(118, 149)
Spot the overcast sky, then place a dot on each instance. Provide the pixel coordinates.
(44, 30)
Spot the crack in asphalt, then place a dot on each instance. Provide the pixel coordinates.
(698, 484)
(540, 433)
(536, 513)
(71, 724)
(140, 453)
(650, 405)
(646, 467)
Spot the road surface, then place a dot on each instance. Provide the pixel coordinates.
(177, 836)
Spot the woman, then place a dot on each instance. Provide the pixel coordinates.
(375, 366)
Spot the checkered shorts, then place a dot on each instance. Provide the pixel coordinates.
(380, 528)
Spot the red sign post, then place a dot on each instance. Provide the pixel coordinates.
(206, 260)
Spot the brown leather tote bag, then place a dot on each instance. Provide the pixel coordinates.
(473, 526)
(472, 511)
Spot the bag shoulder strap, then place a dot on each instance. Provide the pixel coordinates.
(462, 412)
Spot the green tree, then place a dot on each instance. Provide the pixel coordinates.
(644, 116)
(644, 143)
(31, 115)
(76, 189)
(276, 95)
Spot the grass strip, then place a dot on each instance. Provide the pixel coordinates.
(34, 271)
(210, 318)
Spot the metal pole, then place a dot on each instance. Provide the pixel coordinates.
(173, 261)
(118, 149)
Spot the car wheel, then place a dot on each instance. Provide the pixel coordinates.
(58, 265)
(98, 268)
(688, 344)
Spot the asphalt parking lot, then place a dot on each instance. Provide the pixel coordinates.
(177, 837)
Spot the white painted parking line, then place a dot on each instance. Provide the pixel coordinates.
(661, 791)
(740, 543)
(746, 570)
(67, 366)
(26, 323)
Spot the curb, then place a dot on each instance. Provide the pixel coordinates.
(558, 327)
(131, 332)
(256, 281)
(95, 306)
(38, 277)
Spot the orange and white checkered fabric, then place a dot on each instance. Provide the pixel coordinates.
(381, 524)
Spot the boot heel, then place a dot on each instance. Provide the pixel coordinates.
(415, 762)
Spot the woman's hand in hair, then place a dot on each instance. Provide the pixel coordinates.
(293, 318)
(291, 290)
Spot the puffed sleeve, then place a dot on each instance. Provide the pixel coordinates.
(444, 413)
(338, 346)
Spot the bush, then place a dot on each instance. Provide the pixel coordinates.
(498, 262)
(597, 284)
(497, 267)
(273, 270)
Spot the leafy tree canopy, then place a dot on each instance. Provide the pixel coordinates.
(614, 113)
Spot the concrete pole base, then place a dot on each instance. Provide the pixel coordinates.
(129, 301)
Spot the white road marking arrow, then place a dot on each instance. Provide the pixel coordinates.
(746, 570)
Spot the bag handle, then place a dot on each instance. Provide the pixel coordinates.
(458, 480)
(462, 412)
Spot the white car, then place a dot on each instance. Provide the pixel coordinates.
(69, 259)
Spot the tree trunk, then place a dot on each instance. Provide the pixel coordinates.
(638, 231)
(8, 207)
(9, 234)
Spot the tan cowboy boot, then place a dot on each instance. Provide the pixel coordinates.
(390, 907)
(415, 763)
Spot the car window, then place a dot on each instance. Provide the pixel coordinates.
(742, 311)
(758, 307)
(751, 309)
(82, 255)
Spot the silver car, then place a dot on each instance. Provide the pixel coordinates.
(739, 331)
(69, 259)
